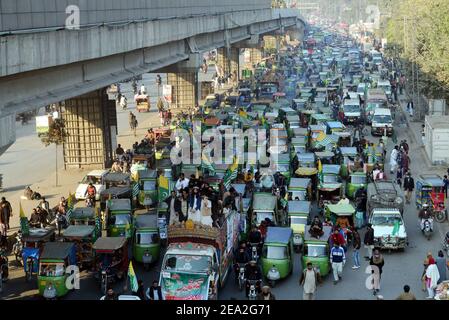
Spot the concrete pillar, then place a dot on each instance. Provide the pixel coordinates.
(7, 132)
(91, 124)
(184, 90)
(228, 60)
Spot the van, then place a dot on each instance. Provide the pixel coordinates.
(351, 111)
(96, 177)
(386, 86)
(375, 99)
(381, 119)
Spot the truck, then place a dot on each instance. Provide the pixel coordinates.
(389, 229)
(198, 259)
(384, 194)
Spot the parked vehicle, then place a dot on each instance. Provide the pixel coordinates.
(384, 194)
(430, 191)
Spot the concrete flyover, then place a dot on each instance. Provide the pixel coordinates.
(42, 62)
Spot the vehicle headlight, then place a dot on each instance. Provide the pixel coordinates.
(297, 239)
(398, 200)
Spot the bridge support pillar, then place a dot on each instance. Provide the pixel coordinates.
(91, 124)
(228, 60)
(184, 90)
(256, 55)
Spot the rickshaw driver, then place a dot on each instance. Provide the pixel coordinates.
(253, 272)
(91, 192)
(425, 214)
(316, 228)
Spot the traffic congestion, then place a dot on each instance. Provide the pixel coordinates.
(280, 185)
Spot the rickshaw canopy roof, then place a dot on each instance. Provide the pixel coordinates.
(306, 157)
(431, 180)
(331, 169)
(83, 212)
(109, 243)
(317, 127)
(299, 183)
(342, 134)
(79, 231)
(304, 171)
(341, 209)
(146, 221)
(301, 132)
(324, 154)
(278, 235)
(117, 177)
(147, 174)
(57, 250)
(327, 230)
(335, 125)
(264, 201)
(321, 116)
(38, 234)
(298, 206)
(119, 204)
(348, 151)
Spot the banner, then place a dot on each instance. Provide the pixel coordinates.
(181, 286)
(167, 92)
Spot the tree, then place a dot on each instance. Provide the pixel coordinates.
(56, 135)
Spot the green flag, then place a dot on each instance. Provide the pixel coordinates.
(395, 228)
(207, 164)
(231, 174)
(132, 278)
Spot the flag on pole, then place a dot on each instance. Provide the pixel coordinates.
(231, 174)
(165, 187)
(207, 164)
(396, 228)
(136, 189)
(132, 278)
(70, 206)
(24, 225)
(320, 171)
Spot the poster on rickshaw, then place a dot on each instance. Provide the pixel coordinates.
(182, 286)
(167, 91)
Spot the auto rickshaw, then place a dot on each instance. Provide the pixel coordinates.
(83, 216)
(277, 254)
(330, 186)
(264, 205)
(300, 189)
(148, 187)
(334, 126)
(317, 251)
(305, 116)
(320, 118)
(147, 242)
(316, 135)
(281, 163)
(430, 191)
(142, 103)
(342, 215)
(119, 218)
(355, 181)
(298, 214)
(299, 144)
(33, 243)
(343, 138)
(83, 236)
(54, 262)
(118, 186)
(326, 157)
(111, 260)
(374, 155)
(328, 142)
(346, 157)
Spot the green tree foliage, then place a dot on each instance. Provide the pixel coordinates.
(56, 133)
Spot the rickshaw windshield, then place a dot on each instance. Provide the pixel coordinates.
(330, 179)
(358, 179)
(351, 108)
(298, 220)
(386, 220)
(298, 195)
(51, 269)
(90, 179)
(146, 238)
(149, 185)
(119, 219)
(260, 216)
(274, 252)
(313, 250)
(192, 263)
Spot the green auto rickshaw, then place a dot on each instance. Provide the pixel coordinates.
(300, 189)
(148, 187)
(264, 205)
(298, 215)
(83, 216)
(317, 251)
(346, 156)
(341, 214)
(54, 263)
(83, 236)
(147, 242)
(277, 254)
(355, 181)
(119, 217)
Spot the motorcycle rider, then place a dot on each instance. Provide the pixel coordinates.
(255, 236)
(242, 257)
(91, 193)
(425, 214)
(253, 272)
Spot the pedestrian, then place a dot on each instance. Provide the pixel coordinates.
(423, 133)
(140, 290)
(394, 159)
(266, 294)
(376, 262)
(154, 292)
(369, 241)
(409, 186)
(310, 279)
(406, 295)
(338, 260)
(442, 265)
(3, 236)
(5, 212)
(357, 243)
(399, 177)
(432, 277)
(445, 185)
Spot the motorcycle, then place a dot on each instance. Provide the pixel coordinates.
(17, 247)
(147, 259)
(427, 228)
(240, 275)
(254, 251)
(4, 270)
(90, 203)
(254, 287)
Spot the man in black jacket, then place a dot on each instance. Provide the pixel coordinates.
(369, 241)
(154, 292)
(174, 207)
(409, 186)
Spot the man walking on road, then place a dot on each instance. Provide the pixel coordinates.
(338, 260)
(5, 211)
(132, 122)
(309, 280)
(409, 186)
(406, 295)
(369, 241)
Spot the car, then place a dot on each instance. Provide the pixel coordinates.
(124, 297)
(96, 177)
(389, 229)
(382, 119)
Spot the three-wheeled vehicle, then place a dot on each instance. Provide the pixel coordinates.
(148, 187)
(342, 215)
(300, 189)
(277, 254)
(346, 157)
(83, 216)
(298, 214)
(147, 242)
(329, 188)
(354, 182)
(264, 206)
(142, 103)
(118, 186)
(119, 218)
(317, 251)
(83, 237)
(111, 260)
(54, 263)
(430, 191)
(33, 243)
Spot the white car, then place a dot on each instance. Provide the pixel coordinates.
(124, 297)
(96, 177)
(389, 229)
